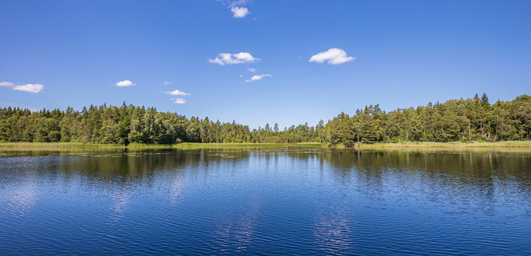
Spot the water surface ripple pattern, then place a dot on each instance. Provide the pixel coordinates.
(266, 201)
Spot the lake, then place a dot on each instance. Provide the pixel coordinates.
(266, 201)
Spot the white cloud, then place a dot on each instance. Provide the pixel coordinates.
(178, 93)
(124, 83)
(245, 56)
(227, 58)
(33, 88)
(239, 12)
(178, 100)
(241, 75)
(6, 84)
(167, 82)
(257, 77)
(252, 69)
(217, 60)
(334, 56)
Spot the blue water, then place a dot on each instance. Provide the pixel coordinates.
(265, 201)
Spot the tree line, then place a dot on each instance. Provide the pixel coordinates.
(473, 119)
(129, 124)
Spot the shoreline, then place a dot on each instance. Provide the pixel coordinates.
(499, 144)
(188, 145)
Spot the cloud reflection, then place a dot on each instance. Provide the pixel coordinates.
(235, 229)
(332, 231)
(21, 199)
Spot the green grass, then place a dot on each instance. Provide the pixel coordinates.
(187, 145)
(242, 145)
(500, 144)
(54, 145)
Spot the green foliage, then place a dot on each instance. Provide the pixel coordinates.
(455, 120)
(137, 125)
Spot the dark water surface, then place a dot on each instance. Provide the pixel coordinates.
(266, 202)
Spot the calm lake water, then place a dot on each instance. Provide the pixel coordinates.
(266, 201)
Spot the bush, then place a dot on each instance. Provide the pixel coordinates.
(65, 138)
(349, 143)
(54, 136)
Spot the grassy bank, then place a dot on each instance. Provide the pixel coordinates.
(238, 145)
(73, 145)
(501, 144)
(54, 145)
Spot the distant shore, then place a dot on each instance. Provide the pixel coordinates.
(76, 145)
(473, 144)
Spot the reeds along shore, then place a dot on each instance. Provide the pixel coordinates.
(500, 144)
(72, 145)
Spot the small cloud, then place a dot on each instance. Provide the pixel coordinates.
(124, 83)
(334, 56)
(245, 56)
(241, 75)
(167, 82)
(178, 100)
(217, 61)
(252, 69)
(227, 58)
(257, 77)
(33, 88)
(239, 12)
(6, 84)
(177, 93)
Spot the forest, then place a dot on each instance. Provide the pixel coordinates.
(472, 119)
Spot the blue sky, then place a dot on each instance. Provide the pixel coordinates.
(393, 53)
